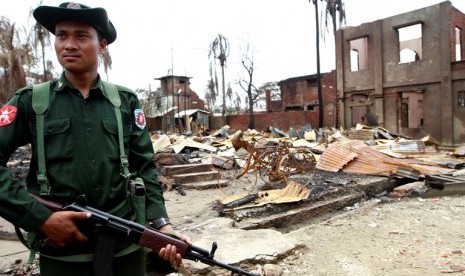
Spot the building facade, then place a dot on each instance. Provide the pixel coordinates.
(301, 94)
(407, 70)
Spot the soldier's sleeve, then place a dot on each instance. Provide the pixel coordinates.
(141, 160)
(16, 205)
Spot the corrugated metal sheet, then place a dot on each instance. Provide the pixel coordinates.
(335, 157)
(355, 156)
(369, 161)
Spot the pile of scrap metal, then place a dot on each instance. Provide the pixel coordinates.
(275, 155)
(277, 160)
(396, 158)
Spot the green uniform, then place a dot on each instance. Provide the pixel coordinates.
(81, 152)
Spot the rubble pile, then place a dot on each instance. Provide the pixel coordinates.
(348, 166)
(22, 269)
(343, 168)
(19, 163)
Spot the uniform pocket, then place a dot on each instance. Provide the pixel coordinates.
(57, 138)
(56, 126)
(111, 126)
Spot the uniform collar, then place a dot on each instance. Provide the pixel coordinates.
(62, 83)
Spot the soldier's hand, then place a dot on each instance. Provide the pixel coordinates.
(169, 252)
(61, 228)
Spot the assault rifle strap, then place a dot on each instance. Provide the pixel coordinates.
(40, 100)
(111, 93)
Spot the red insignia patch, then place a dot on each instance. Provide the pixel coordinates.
(7, 115)
(140, 118)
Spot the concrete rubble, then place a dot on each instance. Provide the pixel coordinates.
(346, 167)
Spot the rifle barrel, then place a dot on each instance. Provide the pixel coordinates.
(194, 256)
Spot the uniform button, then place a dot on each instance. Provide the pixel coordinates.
(98, 191)
(88, 131)
(50, 130)
(93, 162)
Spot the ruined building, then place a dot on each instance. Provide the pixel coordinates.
(175, 102)
(301, 94)
(407, 70)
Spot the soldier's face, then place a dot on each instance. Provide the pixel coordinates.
(77, 46)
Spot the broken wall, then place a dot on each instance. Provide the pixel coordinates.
(458, 78)
(417, 97)
(280, 120)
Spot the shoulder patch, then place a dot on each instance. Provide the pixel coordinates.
(139, 118)
(7, 115)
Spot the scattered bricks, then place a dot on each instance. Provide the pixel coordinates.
(361, 134)
(196, 177)
(171, 170)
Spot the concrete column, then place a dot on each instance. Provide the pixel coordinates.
(378, 105)
(340, 109)
(446, 78)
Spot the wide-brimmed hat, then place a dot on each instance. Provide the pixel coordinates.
(49, 16)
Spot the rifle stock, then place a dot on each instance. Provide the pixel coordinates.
(142, 235)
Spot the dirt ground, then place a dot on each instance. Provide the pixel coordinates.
(407, 236)
(382, 236)
(411, 236)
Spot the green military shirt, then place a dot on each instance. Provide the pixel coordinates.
(81, 152)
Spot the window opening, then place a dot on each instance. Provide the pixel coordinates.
(358, 54)
(461, 99)
(412, 110)
(458, 44)
(410, 39)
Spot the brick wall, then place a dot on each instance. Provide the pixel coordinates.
(280, 120)
(196, 102)
(296, 91)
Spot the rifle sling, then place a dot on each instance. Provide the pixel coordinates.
(40, 101)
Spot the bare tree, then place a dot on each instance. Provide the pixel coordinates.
(246, 83)
(333, 8)
(219, 49)
(237, 103)
(150, 100)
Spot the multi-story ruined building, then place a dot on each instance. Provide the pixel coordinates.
(175, 102)
(301, 94)
(408, 70)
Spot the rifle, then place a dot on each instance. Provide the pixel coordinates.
(142, 235)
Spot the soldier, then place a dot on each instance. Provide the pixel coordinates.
(81, 154)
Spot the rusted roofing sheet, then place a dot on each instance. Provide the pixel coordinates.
(335, 157)
(354, 156)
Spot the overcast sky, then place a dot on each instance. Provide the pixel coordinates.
(155, 35)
